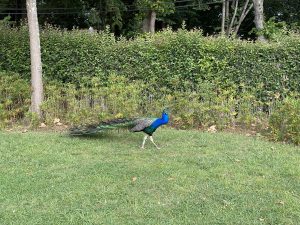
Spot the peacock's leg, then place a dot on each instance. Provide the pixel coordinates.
(144, 140)
(151, 139)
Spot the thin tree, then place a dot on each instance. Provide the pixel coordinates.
(246, 9)
(149, 22)
(150, 9)
(231, 21)
(259, 18)
(223, 17)
(35, 57)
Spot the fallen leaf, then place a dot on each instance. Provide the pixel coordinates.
(42, 125)
(59, 124)
(280, 202)
(134, 179)
(56, 120)
(212, 129)
(24, 131)
(119, 115)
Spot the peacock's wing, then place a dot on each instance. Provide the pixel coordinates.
(141, 124)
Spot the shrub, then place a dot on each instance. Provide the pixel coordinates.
(204, 80)
(93, 99)
(167, 59)
(14, 98)
(285, 121)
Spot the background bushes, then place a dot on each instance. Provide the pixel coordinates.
(204, 80)
(14, 98)
(166, 59)
(285, 121)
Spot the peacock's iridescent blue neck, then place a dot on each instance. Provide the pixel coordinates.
(160, 121)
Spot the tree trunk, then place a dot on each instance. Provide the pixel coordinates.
(35, 56)
(152, 22)
(227, 13)
(232, 25)
(243, 15)
(223, 17)
(259, 17)
(229, 29)
(149, 22)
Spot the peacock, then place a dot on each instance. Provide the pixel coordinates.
(146, 125)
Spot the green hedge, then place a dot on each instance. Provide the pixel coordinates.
(14, 98)
(92, 100)
(285, 121)
(204, 80)
(167, 59)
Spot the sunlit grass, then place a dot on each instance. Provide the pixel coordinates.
(196, 178)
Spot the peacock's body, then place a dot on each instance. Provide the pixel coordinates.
(146, 125)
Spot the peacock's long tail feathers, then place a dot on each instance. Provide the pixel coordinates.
(103, 126)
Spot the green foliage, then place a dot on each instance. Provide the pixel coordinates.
(93, 99)
(32, 119)
(14, 98)
(162, 7)
(104, 13)
(205, 81)
(285, 121)
(5, 23)
(120, 15)
(119, 97)
(287, 11)
(273, 30)
(167, 59)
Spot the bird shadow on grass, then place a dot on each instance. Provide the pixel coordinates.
(128, 139)
(103, 135)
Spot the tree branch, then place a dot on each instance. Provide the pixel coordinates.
(233, 18)
(243, 15)
(223, 17)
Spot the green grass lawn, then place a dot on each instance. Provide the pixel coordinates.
(196, 178)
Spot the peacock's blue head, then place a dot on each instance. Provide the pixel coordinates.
(165, 116)
(166, 111)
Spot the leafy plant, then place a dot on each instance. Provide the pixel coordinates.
(273, 30)
(205, 81)
(167, 59)
(285, 121)
(14, 98)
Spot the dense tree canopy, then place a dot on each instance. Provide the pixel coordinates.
(283, 10)
(126, 17)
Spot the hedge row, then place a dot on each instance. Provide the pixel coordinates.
(204, 80)
(92, 101)
(167, 59)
